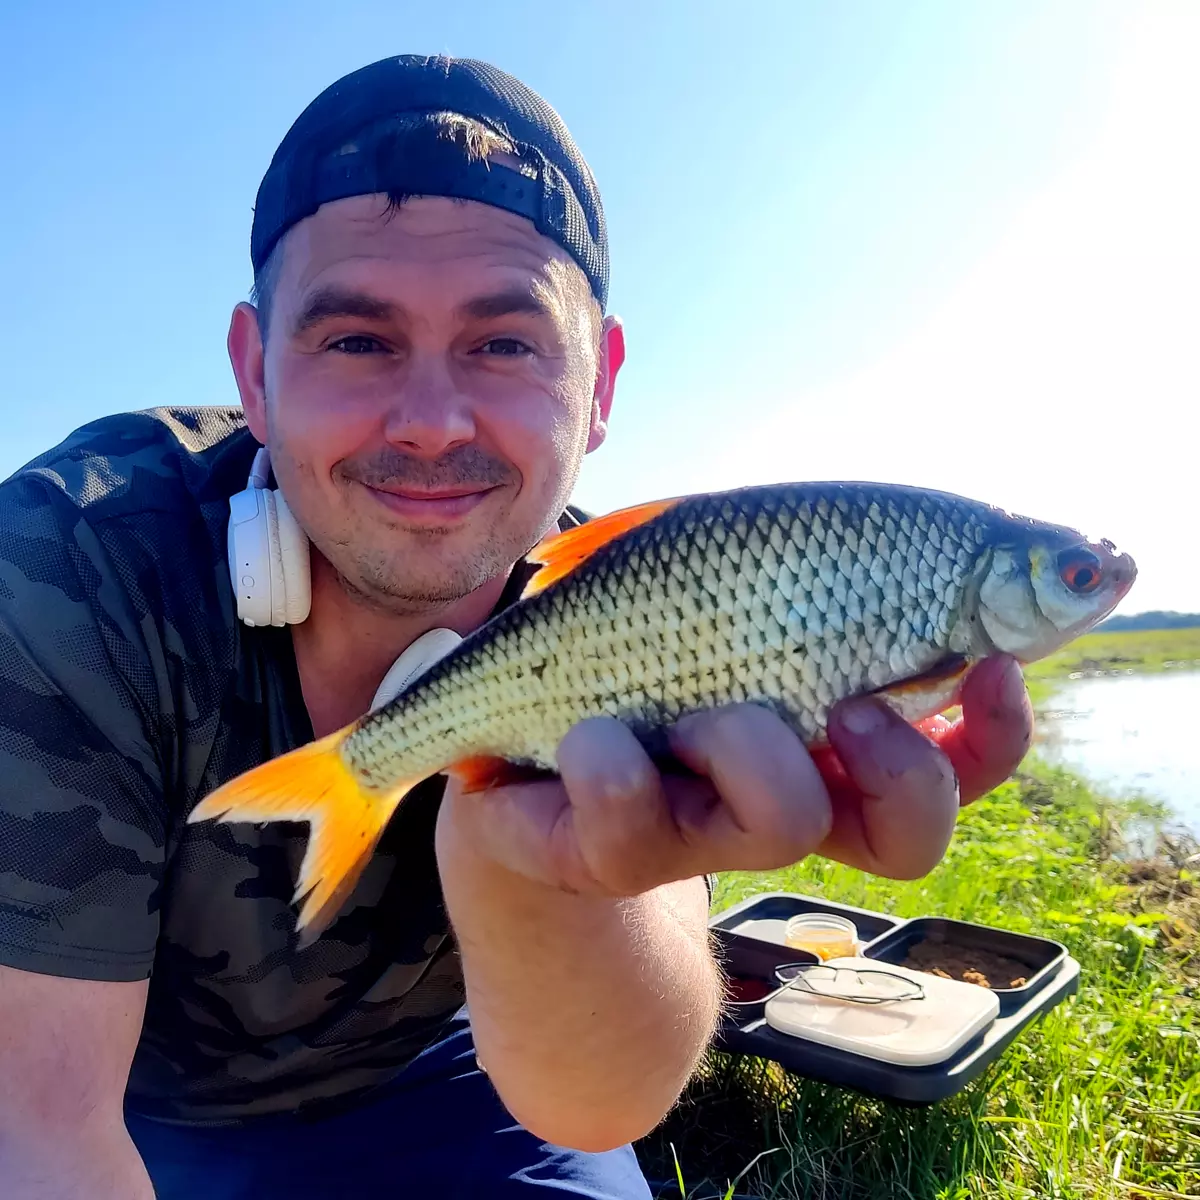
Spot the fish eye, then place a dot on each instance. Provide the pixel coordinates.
(1080, 570)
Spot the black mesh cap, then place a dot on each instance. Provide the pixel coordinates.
(340, 146)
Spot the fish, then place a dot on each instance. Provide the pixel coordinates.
(791, 596)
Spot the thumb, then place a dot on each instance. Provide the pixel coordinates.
(526, 828)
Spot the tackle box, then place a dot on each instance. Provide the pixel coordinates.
(750, 942)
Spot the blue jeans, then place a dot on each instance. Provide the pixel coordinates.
(438, 1131)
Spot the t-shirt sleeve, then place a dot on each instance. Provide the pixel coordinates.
(82, 811)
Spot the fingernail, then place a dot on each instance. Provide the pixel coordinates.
(863, 717)
(688, 730)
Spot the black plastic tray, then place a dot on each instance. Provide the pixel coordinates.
(780, 906)
(1041, 956)
(745, 1031)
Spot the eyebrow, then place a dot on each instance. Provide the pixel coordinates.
(507, 303)
(329, 302)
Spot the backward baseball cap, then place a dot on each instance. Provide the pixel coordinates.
(341, 145)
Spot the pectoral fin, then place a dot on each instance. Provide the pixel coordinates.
(929, 693)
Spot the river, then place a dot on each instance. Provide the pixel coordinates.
(1131, 734)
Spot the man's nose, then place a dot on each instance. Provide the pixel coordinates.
(428, 415)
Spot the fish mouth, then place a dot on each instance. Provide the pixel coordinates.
(1119, 568)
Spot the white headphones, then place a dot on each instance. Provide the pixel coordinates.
(269, 569)
(268, 553)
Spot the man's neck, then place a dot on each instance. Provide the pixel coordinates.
(346, 646)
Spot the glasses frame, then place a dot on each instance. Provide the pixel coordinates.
(915, 990)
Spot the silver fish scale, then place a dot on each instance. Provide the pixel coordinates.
(793, 597)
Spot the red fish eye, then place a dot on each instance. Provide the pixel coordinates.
(1080, 570)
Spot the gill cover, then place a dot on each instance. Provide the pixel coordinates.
(1008, 608)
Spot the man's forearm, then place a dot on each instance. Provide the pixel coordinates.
(98, 1164)
(588, 1014)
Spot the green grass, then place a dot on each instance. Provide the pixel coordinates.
(1132, 650)
(1140, 651)
(1099, 1099)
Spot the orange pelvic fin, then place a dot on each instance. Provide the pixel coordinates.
(561, 553)
(929, 693)
(346, 820)
(481, 772)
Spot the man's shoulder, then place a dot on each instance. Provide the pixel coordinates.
(120, 530)
(156, 459)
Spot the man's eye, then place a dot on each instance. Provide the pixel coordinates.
(356, 344)
(505, 347)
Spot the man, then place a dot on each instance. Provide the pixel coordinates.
(428, 362)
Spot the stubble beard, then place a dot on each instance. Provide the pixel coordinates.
(436, 574)
(380, 580)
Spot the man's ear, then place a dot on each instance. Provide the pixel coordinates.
(608, 364)
(245, 347)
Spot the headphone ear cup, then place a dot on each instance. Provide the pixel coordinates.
(294, 564)
(268, 553)
(248, 545)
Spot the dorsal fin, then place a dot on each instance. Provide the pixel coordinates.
(561, 553)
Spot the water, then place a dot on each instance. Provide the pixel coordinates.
(1132, 734)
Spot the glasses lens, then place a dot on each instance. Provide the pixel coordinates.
(790, 972)
(879, 985)
(845, 983)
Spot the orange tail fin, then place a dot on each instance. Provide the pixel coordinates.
(346, 820)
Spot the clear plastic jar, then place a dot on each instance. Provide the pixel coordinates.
(823, 934)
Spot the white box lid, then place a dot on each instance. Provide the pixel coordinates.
(913, 1033)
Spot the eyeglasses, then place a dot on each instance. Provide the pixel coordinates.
(855, 985)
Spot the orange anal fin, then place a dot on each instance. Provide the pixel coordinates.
(832, 772)
(346, 820)
(561, 553)
(929, 693)
(483, 771)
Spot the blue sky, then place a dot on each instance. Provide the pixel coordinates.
(937, 243)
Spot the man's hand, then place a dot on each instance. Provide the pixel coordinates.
(577, 908)
(883, 796)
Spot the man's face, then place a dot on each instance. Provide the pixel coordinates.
(431, 379)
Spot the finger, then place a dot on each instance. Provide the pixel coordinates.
(627, 837)
(774, 808)
(896, 793)
(524, 827)
(996, 730)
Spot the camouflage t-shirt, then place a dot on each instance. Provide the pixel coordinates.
(128, 691)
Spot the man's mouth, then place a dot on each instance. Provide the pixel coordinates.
(435, 506)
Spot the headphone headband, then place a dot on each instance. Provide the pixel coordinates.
(260, 468)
